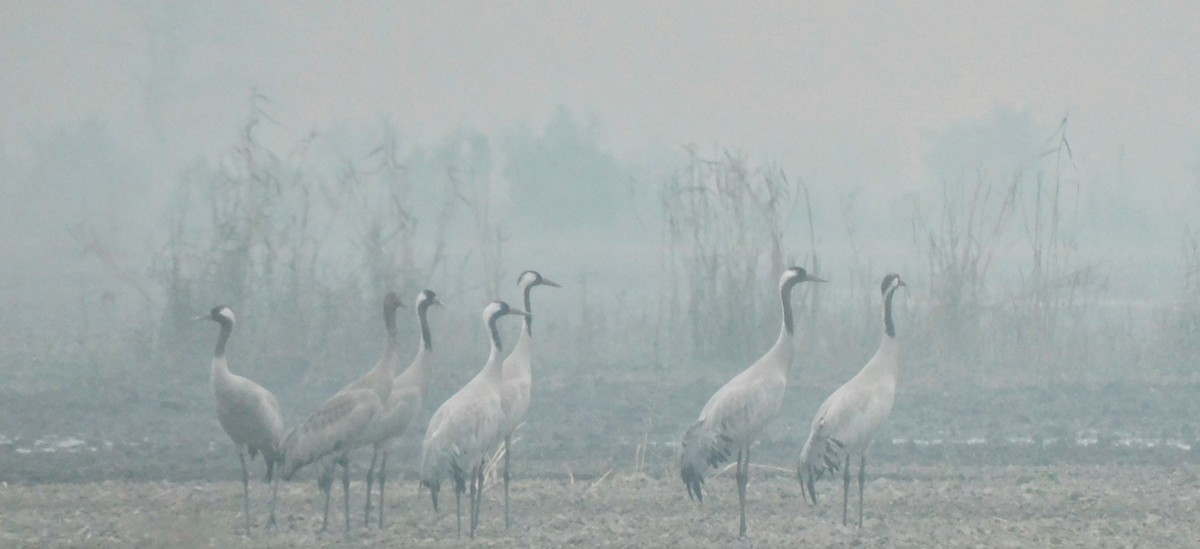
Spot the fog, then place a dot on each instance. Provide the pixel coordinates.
(1031, 170)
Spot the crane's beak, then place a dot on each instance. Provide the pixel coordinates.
(811, 278)
(200, 317)
(513, 311)
(436, 301)
(550, 283)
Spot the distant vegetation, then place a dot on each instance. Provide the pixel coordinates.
(303, 241)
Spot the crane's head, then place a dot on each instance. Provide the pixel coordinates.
(796, 275)
(529, 279)
(391, 302)
(497, 309)
(220, 314)
(427, 298)
(891, 281)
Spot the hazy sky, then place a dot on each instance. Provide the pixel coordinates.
(794, 81)
(845, 95)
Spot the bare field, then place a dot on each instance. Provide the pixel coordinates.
(907, 506)
(1071, 465)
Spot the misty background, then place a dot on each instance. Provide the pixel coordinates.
(1030, 170)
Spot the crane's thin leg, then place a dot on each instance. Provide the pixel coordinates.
(845, 489)
(507, 454)
(382, 477)
(274, 496)
(325, 483)
(345, 462)
(743, 463)
(458, 508)
(471, 507)
(245, 489)
(862, 478)
(370, 472)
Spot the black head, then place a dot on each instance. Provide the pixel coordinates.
(391, 302)
(796, 275)
(427, 298)
(221, 314)
(534, 278)
(890, 282)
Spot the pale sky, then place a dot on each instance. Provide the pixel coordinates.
(843, 94)
(781, 78)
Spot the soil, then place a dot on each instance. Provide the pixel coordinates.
(147, 465)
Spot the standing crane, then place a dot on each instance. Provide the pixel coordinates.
(517, 374)
(408, 393)
(846, 422)
(248, 412)
(348, 420)
(467, 426)
(739, 411)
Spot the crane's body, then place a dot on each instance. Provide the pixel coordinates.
(846, 423)
(517, 377)
(351, 418)
(466, 427)
(248, 413)
(737, 413)
(404, 403)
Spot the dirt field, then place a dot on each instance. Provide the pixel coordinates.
(910, 506)
(147, 465)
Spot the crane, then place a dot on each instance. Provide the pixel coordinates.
(248, 413)
(846, 423)
(517, 376)
(466, 426)
(408, 393)
(738, 411)
(348, 420)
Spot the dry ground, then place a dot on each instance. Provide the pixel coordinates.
(907, 506)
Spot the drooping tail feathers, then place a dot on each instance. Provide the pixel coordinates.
(438, 463)
(700, 450)
(820, 454)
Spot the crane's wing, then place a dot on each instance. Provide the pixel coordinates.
(731, 419)
(335, 426)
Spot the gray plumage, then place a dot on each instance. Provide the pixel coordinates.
(735, 415)
(248, 413)
(846, 423)
(405, 401)
(517, 373)
(466, 427)
(348, 420)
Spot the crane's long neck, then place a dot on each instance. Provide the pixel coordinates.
(220, 367)
(426, 339)
(527, 327)
(783, 345)
(493, 362)
(226, 329)
(886, 359)
(389, 349)
(420, 365)
(889, 328)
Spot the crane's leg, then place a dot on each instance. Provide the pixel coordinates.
(471, 502)
(458, 508)
(345, 463)
(325, 483)
(370, 472)
(245, 489)
(478, 491)
(743, 475)
(862, 478)
(507, 454)
(274, 496)
(845, 488)
(382, 477)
